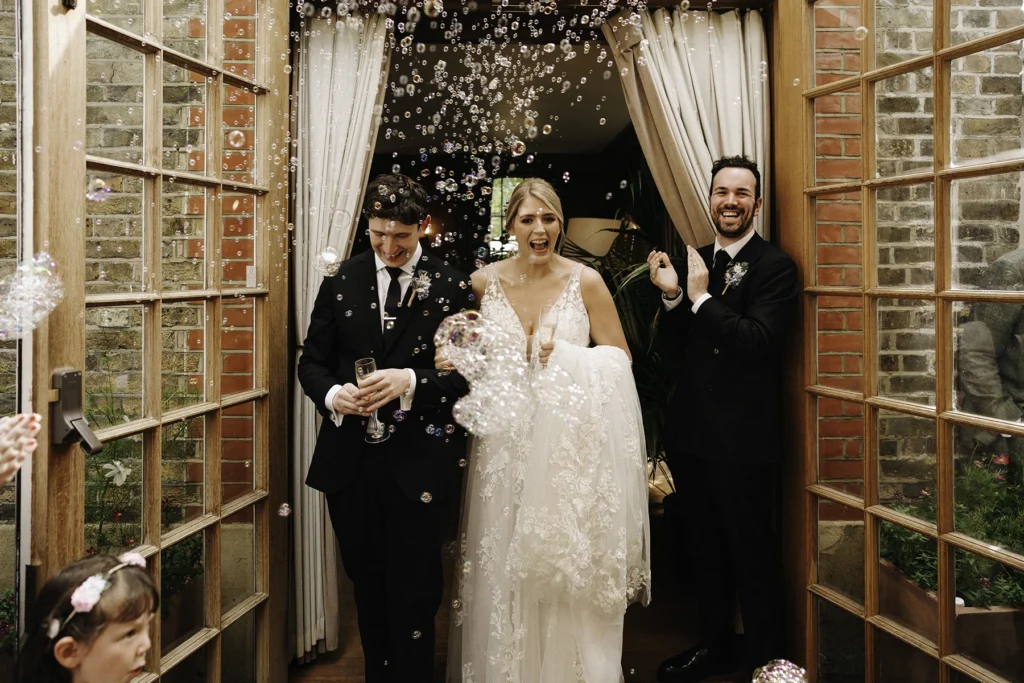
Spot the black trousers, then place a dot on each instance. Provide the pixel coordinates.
(727, 510)
(391, 550)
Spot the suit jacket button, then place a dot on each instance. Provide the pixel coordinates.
(426, 497)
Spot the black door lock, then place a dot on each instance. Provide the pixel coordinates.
(67, 423)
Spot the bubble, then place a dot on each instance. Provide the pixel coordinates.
(608, 196)
(796, 82)
(30, 294)
(607, 74)
(517, 147)
(97, 190)
(601, 121)
(623, 184)
(432, 8)
(860, 33)
(287, 69)
(395, 168)
(285, 510)
(549, 47)
(546, 129)
(327, 262)
(398, 415)
(236, 138)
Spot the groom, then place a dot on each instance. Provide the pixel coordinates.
(724, 441)
(386, 500)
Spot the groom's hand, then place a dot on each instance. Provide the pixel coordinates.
(345, 402)
(382, 387)
(696, 275)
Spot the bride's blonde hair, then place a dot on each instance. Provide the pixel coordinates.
(538, 188)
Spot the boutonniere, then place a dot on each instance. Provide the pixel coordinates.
(420, 287)
(734, 275)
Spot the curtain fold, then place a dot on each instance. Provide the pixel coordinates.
(341, 70)
(696, 86)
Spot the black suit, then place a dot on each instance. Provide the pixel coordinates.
(724, 439)
(386, 500)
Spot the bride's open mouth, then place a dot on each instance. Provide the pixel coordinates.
(539, 246)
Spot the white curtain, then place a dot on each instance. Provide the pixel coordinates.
(341, 68)
(696, 85)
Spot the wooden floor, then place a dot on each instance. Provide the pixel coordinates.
(652, 633)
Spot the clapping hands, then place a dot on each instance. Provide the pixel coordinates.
(17, 442)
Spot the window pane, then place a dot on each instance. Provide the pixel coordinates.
(837, 128)
(988, 490)
(183, 241)
(238, 248)
(903, 124)
(184, 120)
(906, 350)
(182, 582)
(113, 497)
(237, 558)
(239, 162)
(903, 30)
(837, 223)
(182, 364)
(908, 580)
(114, 100)
(840, 645)
(191, 670)
(183, 472)
(840, 445)
(906, 464)
(905, 235)
(985, 101)
(240, 38)
(986, 227)
(113, 246)
(898, 662)
(990, 626)
(185, 27)
(238, 448)
(841, 549)
(840, 342)
(988, 359)
(126, 14)
(113, 365)
(238, 653)
(968, 21)
(836, 44)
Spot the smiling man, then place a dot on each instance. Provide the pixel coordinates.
(723, 435)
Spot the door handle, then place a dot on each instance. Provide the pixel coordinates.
(67, 423)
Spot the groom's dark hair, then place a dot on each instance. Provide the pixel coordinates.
(396, 197)
(737, 162)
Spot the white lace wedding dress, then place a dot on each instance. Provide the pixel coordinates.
(555, 531)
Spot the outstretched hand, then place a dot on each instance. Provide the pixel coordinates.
(17, 442)
(663, 273)
(696, 275)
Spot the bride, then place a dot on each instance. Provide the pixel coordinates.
(555, 532)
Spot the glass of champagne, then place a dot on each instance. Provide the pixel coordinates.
(547, 324)
(376, 432)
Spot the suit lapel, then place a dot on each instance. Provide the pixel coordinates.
(410, 306)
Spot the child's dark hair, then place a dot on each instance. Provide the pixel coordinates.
(131, 594)
(397, 197)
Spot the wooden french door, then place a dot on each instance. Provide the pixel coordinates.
(161, 171)
(903, 187)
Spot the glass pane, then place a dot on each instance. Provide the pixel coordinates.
(836, 44)
(898, 662)
(239, 162)
(182, 472)
(906, 350)
(990, 625)
(841, 549)
(988, 357)
(970, 20)
(905, 234)
(986, 224)
(113, 365)
(183, 241)
(113, 497)
(840, 445)
(840, 645)
(114, 96)
(903, 30)
(840, 342)
(182, 364)
(184, 121)
(238, 448)
(837, 127)
(238, 650)
(126, 14)
(237, 558)
(182, 582)
(191, 670)
(985, 104)
(238, 345)
(903, 124)
(987, 487)
(837, 223)
(113, 223)
(240, 38)
(906, 464)
(908, 579)
(238, 248)
(185, 27)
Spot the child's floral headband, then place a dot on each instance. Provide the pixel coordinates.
(89, 592)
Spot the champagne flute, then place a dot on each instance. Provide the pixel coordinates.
(376, 432)
(547, 324)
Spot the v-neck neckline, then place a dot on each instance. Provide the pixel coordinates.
(508, 302)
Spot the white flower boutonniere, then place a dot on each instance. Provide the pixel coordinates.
(420, 287)
(734, 275)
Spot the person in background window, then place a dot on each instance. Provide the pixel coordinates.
(723, 435)
(17, 442)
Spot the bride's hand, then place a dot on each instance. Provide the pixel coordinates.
(545, 352)
(440, 361)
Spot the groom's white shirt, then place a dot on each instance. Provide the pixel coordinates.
(731, 250)
(383, 282)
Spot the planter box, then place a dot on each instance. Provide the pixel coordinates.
(992, 636)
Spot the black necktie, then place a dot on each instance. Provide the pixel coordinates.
(718, 268)
(394, 297)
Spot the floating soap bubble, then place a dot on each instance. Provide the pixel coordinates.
(29, 295)
(517, 147)
(780, 671)
(97, 190)
(327, 262)
(860, 33)
(236, 138)
(285, 510)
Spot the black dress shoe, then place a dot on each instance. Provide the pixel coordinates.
(697, 663)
